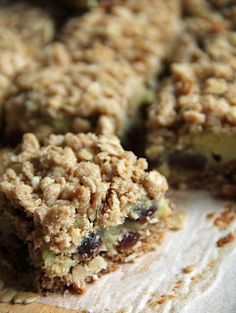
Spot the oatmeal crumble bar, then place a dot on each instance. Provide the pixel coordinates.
(24, 29)
(206, 17)
(32, 24)
(4, 159)
(76, 205)
(103, 97)
(14, 58)
(192, 124)
(138, 31)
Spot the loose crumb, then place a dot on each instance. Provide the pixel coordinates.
(178, 221)
(225, 240)
(226, 217)
(188, 269)
(210, 215)
(163, 298)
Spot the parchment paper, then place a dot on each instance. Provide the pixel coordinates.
(156, 282)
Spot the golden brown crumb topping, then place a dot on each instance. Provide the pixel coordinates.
(13, 54)
(199, 95)
(77, 98)
(80, 181)
(4, 159)
(138, 31)
(32, 24)
(204, 17)
(14, 58)
(23, 30)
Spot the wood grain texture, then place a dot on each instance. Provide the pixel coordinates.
(34, 308)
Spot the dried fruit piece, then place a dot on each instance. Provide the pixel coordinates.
(225, 240)
(128, 241)
(144, 214)
(90, 246)
(193, 161)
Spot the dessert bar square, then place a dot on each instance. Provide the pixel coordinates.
(33, 25)
(101, 97)
(141, 32)
(4, 159)
(77, 205)
(24, 30)
(14, 58)
(192, 124)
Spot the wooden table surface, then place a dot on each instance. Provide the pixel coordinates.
(33, 308)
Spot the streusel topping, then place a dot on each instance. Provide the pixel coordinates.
(77, 98)
(199, 95)
(205, 18)
(139, 31)
(4, 160)
(32, 24)
(14, 58)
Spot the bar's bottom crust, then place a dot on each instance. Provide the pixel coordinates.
(37, 281)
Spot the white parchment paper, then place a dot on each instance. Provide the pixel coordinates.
(156, 282)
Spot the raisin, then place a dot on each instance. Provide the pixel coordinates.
(143, 214)
(216, 157)
(128, 241)
(90, 246)
(189, 161)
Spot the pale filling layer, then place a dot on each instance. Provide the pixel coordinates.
(113, 242)
(216, 147)
(63, 122)
(60, 265)
(206, 149)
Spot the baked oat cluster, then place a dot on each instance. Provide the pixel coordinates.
(33, 25)
(199, 95)
(78, 98)
(14, 58)
(139, 31)
(24, 30)
(4, 159)
(205, 18)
